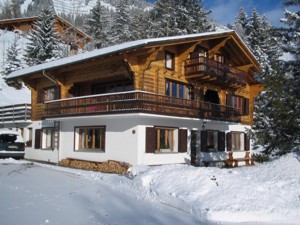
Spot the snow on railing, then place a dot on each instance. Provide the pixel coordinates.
(15, 113)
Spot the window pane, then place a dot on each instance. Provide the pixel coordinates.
(164, 140)
(47, 138)
(167, 88)
(212, 140)
(181, 91)
(237, 141)
(90, 138)
(169, 60)
(174, 90)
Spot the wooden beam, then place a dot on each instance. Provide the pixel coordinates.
(244, 67)
(216, 48)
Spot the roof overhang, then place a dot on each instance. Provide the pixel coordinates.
(135, 45)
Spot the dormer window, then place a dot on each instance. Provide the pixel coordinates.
(170, 60)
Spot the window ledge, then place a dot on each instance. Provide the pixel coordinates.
(90, 151)
(166, 152)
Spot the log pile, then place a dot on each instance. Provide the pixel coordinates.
(109, 166)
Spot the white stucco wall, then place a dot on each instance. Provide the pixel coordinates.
(125, 138)
(39, 154)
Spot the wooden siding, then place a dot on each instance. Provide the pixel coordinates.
(145, 68)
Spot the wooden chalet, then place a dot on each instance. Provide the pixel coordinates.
(155, 101)
(70, 34)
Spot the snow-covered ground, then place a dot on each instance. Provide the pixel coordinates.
(174, 194)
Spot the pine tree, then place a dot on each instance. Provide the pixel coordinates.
(201, 17)
(16, 8)
(240, 24)
(43, 40)
(96, 26)
(139, 25)
(6, 12)
(163, 19)
(192, 18)
(120, 31)
(277, 127)
(13, 63)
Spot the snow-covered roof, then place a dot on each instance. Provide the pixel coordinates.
(111, 50)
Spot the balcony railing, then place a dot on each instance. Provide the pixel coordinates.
(138, 101)
(202, 68)
(15, 113)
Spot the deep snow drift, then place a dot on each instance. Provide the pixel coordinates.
(267, 193)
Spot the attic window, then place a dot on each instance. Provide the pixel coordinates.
(170, 60)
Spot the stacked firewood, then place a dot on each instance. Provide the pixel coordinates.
(109, 166)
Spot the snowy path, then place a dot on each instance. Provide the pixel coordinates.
(34, 195)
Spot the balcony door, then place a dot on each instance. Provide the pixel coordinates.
(212, 97)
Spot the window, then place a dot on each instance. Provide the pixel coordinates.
(212, 141)
(165, 140)
(177, 90)
(170, 60)
(121, 86)
(48, 138)
(48, 94)
(200, 52)
(90, 139)
(239, 103)
(237, 141)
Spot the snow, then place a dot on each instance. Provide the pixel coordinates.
(267, 194)
(9, 95)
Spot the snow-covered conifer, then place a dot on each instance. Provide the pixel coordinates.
(13, 63)
(43, 40)
(96, 26)
(278, 128)
(120, 31)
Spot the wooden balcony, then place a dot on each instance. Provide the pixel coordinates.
(15, 113)
(142, 102)
(205, 70)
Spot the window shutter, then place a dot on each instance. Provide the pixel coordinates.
(57, 92)
(37, 139)
(229, 142)
(247, 142)
(246, 106)
(203, 141)
(182, 140)
(40, 96)
(229, 100)
(150, 139)
(221, 141)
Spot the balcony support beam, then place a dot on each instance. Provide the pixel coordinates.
(216, 48)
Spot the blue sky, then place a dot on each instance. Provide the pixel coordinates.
(224, 11)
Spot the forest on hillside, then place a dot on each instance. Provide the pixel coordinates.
(277, 117)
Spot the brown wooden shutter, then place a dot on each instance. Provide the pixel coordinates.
(150, 139)
(204, 141)
(247, 142)
(221, 141)
(57, 92)
(37, 139)
(229, 142)
(40, 96)
(229, 100)
(246, 106)
(182, 140)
